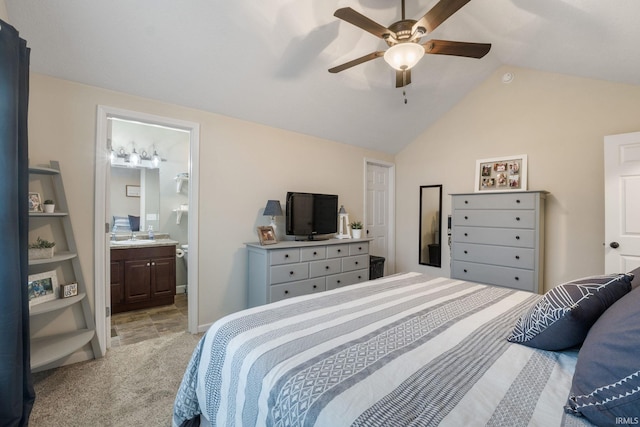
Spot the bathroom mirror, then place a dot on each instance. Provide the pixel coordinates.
(430, 248)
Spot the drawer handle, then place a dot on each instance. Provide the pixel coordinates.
(339, 250)
(359, 277)
(286, 292)
(359, 248)
(337, 281)
(326, 267)
(517, 237)
(517, 256)
(466, 202)
(465, 270)
(517, 278)
(466, 234)
(356, 262)
(466, 252)
(291, 273)
(518, 201)
(466, 217)
(315, 253)
(315, 286)
(517, 218)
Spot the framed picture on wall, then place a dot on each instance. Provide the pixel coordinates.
(501, 174)
(133, 191)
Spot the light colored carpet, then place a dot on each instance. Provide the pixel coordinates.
(133, 385)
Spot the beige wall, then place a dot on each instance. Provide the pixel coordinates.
(559, 122)
(3, 11)
(242, 165)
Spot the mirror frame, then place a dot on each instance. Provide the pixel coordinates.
(420, 246)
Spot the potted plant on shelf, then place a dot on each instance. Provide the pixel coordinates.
(41, 249)
(49, 206)
(356, 229)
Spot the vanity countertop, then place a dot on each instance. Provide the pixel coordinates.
(142, 243)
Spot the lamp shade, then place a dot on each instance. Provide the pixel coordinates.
(273, 208)
(403, 56)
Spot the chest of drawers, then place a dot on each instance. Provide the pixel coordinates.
(289, 269)
(498, 238)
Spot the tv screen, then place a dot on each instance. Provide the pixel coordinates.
(310, 214)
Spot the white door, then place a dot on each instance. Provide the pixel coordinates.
(622, 202)
(379, 212)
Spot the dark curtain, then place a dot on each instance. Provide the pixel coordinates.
(16, 385)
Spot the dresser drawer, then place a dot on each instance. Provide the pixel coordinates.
(288, 273)
(521, 238)
(346, 279)
(284, 256)
(495, 201)
(288, 290)
(359, 248)
(355, 262)
(336, 251)
(503, 276)
(311, 254)
(496, 255)
(324, 267)
(488, 218)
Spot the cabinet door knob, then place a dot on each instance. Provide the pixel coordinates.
(291, 273)
(286, 255)
(315, 286)
(359, 277)
(466, 252)
(326, 267)
(465, 270)
(359, 248)
(466, 234)
(286, 292)
(337, 281)
(466, 202)
(315, 253)
(153, 263)
(517, 278)
(517, 218)
(356, 262)
(466, 217)
(517, 256)
(614, 245)
(517, 237)
(148, 264)
(518, 201)
(339, 250)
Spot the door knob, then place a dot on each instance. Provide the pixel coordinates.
(614, 245)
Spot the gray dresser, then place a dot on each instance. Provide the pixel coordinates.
(288, 269)
(498, 238)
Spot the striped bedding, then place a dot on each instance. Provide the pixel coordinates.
(398, 351)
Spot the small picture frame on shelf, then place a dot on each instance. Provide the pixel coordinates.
(267, 235)
(35, 202)
(42, 287)
(501, 174)
(68, 290)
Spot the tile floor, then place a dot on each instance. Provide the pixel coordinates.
(134, 326)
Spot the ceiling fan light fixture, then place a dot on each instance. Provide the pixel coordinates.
(403, 56)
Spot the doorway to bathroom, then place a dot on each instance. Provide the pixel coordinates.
(146, 185)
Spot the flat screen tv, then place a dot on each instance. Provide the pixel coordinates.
(309, 215)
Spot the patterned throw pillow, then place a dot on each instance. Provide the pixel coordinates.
(606, 382)
(562, 318)
(121, 224)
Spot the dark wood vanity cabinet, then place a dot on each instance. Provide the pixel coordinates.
(142, 277)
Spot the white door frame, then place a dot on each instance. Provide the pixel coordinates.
(391, 186)
(102, 270)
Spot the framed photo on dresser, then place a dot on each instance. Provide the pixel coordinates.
(507, 173)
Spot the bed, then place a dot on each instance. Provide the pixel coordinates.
(402, 350)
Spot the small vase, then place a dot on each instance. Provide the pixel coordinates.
(49, 208)
(357, 234)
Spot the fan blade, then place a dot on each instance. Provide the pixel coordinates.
(403, 77)
(446, 47)
(355, 62)
(361, 21)
(438, 14)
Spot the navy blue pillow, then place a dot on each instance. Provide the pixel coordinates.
(562, 318)
(134, 223)
(606, 382)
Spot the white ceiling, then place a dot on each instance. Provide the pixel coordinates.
(266, 61)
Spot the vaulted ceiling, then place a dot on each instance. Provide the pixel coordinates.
(266, 61)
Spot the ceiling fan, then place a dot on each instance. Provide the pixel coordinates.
(403, 38)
